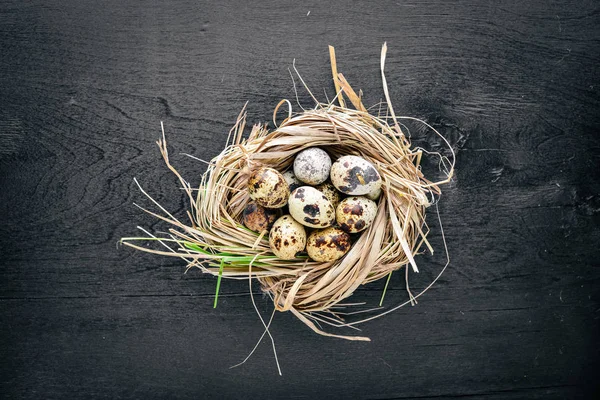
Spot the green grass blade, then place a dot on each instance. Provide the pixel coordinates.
(218, 283)
(195, 247)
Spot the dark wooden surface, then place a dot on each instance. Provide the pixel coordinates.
(83, 85)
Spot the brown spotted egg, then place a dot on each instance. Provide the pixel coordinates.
(311, 207)
(354, 176)
(312, 166)
(355, 214)
(330, 192)
(287, 238)
(328, 244)
(268, 188)
(258, 218)
(291, 180)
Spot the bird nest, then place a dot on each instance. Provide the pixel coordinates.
(215, 240)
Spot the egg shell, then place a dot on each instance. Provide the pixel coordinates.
(374, 194)
(258, 218)
(311, 208)
(291, 180)
(312, 166)
(354, 175)
(355, 214)
(287, 238)
(330, 192)
(328, 244)
(268, 188)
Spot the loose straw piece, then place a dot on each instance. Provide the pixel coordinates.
(336, 83)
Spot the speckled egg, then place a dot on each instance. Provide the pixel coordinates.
(258, 218)
(287, 238)
(312, 166)
(328, 244)
(354, 175)
(291, 180)
(330, 192)
(355, 214)
(268, 188)
(311, 207)
(374, 194)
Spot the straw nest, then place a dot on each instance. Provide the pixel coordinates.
(215, 240)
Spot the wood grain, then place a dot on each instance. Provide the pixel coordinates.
(513, 85)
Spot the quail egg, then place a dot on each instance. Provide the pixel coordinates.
(355, 214)
(268, 188)
(311, 207)
(330, 192)
(312, 166)
(258, 218)
(291, 180)
(328, 244)
(354, 175)
(287, 238)
(374, 194)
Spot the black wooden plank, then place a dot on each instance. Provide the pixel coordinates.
(514, 87)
